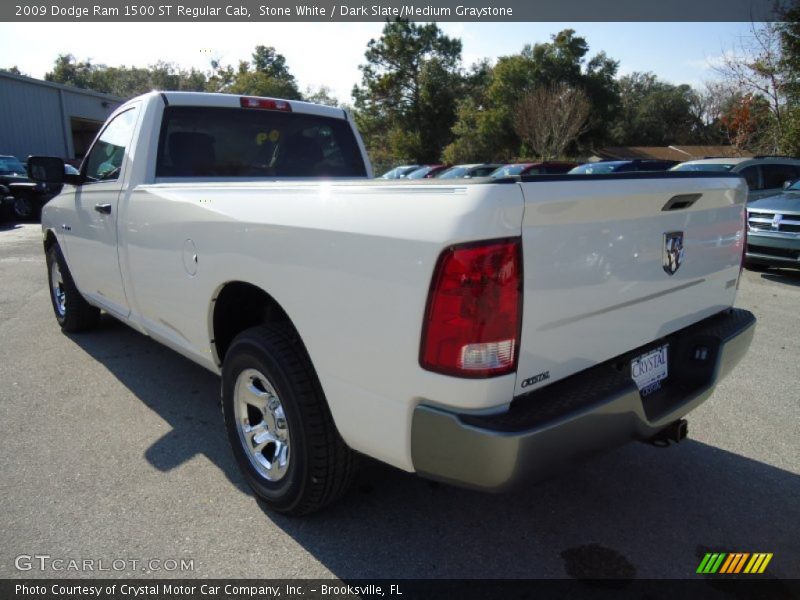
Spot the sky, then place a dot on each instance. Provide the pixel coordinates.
(329, 53)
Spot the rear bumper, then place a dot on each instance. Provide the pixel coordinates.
(592, 411)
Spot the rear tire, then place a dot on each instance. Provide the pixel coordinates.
(279, 425)
(72, 312)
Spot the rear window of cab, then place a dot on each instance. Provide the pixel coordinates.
(241, 142)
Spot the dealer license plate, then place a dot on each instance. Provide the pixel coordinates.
(648, 370)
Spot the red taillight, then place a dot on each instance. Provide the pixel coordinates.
(472, 322)
(266, 103)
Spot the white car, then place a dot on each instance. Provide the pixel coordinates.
(478, 332)
(765, 175)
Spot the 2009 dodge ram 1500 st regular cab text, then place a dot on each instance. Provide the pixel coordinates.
(480, 332)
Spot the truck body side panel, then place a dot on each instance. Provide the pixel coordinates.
(351, 265)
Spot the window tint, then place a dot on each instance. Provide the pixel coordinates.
(11, 165)
(105, 158)
(237, 142)
(703, 167)
(421, 173)
(453, 173)
(595, 168)
(482, 171)
(750, 175)
(509, 170)
(506, 171)
(776, 175)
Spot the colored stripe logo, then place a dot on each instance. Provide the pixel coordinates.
(734, 563)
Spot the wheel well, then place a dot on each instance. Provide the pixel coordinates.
(239, 306)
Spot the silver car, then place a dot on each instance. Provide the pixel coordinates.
(773, 231)
(765, 175)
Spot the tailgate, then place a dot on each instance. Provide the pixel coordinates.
(604, 271)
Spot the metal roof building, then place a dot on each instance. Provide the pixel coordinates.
(40, 117)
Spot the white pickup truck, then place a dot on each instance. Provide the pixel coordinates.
(480, 332)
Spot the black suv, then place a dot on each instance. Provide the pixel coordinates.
(21, 198)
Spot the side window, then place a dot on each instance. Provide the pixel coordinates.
(105, 158)
(750, 175)
(776, 175)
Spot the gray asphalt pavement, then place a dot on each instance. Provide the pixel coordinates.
(113, 449)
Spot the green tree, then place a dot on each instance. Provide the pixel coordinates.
(600, 85)
(169, 76)
(68, 71)
(267, 61)
(255, 83)
(790, 141)
(124, 81)
(220, 77)
(789, 38)
(470, 142)
(321, 95)
(406, 103)
(655, 113)
(267, 75)
(562, 60)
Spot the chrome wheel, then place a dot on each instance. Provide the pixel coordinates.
(278, 422)
(261, 424)
(57, 289)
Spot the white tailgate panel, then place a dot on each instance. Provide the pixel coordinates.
(595, 286)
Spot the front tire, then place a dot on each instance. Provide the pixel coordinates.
(279, 425)
(72, 312)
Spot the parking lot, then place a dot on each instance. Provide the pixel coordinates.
(113, 448)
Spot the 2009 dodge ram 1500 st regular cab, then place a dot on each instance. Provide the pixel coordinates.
(478, 332)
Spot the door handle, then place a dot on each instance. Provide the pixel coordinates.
(103, 208)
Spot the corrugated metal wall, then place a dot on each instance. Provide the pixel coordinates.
(35, 116)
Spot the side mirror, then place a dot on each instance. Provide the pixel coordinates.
(46, 169)
(786, 184)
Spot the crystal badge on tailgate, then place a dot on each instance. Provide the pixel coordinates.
(649, 369)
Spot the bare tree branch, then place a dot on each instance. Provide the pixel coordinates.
(550, 117)
(755, 71)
